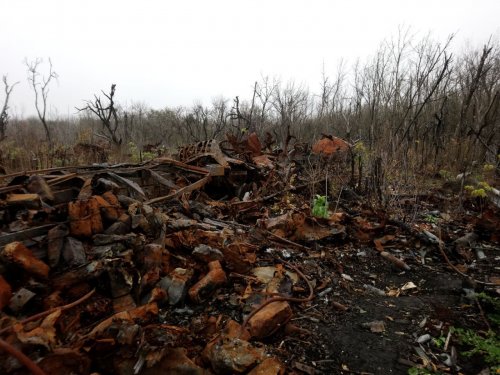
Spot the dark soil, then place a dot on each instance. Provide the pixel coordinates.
(340, 342)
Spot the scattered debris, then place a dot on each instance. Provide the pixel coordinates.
(213, 263)
(376, 326)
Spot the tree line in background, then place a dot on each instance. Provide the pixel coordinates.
(413, 105)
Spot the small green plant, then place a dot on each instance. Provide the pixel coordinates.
(320, 206)
(478, 193)
(361, 152)
(134, 152)
(484, 185)
(488, 168)
(431, 219)
(445, 175)
(439, 341)
(360, 149)
(479, 190)
(148, 155)
(488, 346)
(492, 304)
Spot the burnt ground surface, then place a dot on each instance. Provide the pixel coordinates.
(342, 340)
(339, 342)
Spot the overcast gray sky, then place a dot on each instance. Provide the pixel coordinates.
(169, 53)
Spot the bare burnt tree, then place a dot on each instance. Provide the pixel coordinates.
(107, 114)
(431, 72)
(264, 92)
(167, 124)
(218, 116)
(40, 86)
(251, 124)
(238, 116)
(480, 113)
(4, 115)
(325, 94)
(135, 126)
(291, 105)
(332, 100)
(196, 123)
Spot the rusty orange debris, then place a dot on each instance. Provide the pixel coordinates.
(5, 293)
(271, 317)
(208, 284)
(85, 217)
(19, 254)
(329, 145)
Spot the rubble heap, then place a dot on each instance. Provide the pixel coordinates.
(191, 265)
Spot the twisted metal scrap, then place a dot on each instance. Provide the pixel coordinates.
(20, 356)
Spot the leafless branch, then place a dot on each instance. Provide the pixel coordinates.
(4, 115)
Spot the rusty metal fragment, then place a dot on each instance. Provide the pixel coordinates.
(205, 287)
(85, 217)
(330, 145)
(176, 361)
(270, 366)
(18, 254)
(176, 285)
(5, 292)
(234, 356)
(269, 319)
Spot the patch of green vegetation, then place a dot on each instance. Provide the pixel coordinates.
(361, 152)
(360, 148)
(488, 168)
(136, 156)
(484, 185)
(488, 346)
(320, 206)
(445, 175)
(478, 191)
(439, 342)
(148, 155)
(431, 219)
(134, 152)
(491, 304)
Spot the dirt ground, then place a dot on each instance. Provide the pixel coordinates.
(341, 342)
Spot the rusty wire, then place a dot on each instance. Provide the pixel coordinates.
(21, 357)
(50, 311)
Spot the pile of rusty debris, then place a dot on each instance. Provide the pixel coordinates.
(181, 265)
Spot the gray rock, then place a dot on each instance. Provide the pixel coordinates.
(20, 298)
(73, 252)
(207, 254)
(176, 285)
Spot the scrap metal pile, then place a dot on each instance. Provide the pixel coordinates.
(190, 265)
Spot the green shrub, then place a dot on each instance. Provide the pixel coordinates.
(488, 347)
(320, 206)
